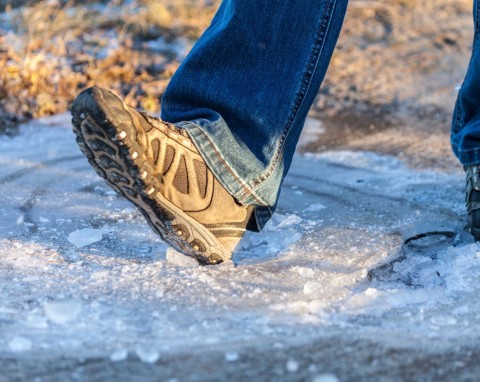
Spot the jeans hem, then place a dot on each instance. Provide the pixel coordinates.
(226, 175)
(467, 157)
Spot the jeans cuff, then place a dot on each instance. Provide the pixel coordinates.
(467, 157)
(226, 174)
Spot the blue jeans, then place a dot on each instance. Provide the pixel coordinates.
(244, 91)
(465, 136)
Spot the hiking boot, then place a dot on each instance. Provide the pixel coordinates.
(157, 167)
(472, 199)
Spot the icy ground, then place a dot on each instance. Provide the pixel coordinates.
(337, 287)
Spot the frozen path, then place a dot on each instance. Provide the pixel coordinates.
(87, 292)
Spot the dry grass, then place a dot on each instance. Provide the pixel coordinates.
(51, 51)
(391, 52)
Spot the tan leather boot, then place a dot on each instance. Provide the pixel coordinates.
(157, 167)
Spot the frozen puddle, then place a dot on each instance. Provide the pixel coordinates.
(82, 275)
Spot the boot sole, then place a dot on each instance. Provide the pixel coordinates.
(107, 136)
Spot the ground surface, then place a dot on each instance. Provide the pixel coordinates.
(329, 291)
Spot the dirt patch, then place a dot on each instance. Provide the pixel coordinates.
(420, 138)
(399, 54)
(50, 51)
(394, 78)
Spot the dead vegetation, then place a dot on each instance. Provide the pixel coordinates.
(49, 51)
(392, 54)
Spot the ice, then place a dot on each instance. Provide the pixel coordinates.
(20, 344)
(20, 219)
(181, 260)
(330, 268)
(71, 256)
(287, 221)
(443, 320)
(418, 270)
(6, 311)
(62, 312)
(119, 355)
(460, 311)
(147, 354)
(37, 322)
(231, 356)
(292, 366)
(83, 237)
(360, 159)
(278, 235)
(316, 207)
(303, 271)
(311, 287)
(325, 378)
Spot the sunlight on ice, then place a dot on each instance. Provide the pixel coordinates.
(84, 237)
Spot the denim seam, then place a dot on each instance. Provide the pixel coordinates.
(229, 169)
(459, 117)
(317, 50)
(469, 158)
(477, 18)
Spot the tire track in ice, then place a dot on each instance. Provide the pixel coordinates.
(39, 166)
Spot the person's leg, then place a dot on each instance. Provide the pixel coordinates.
(466, 120)
(465, 137)
(245, 89)
(238, 102)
